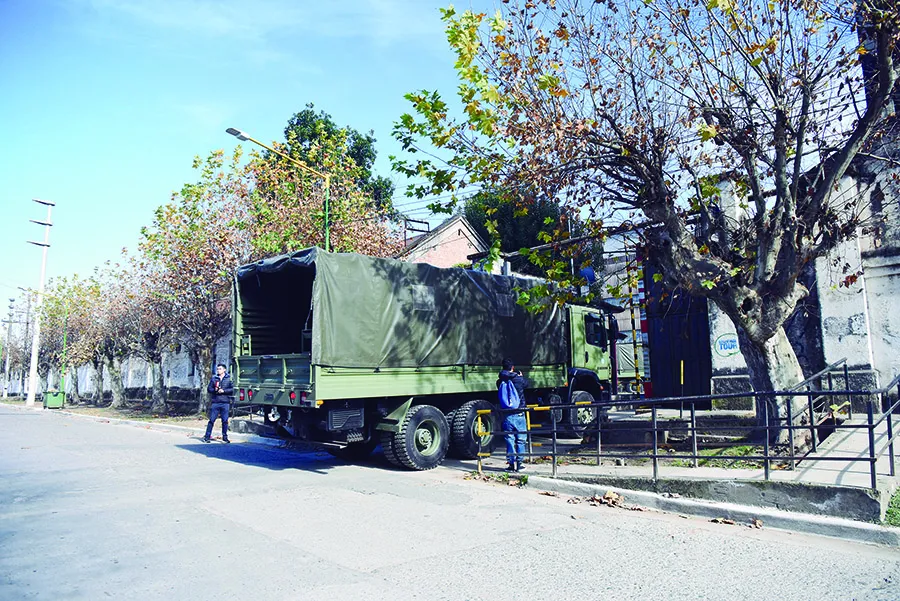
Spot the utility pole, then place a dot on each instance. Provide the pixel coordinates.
(9, 323)
(36, 339)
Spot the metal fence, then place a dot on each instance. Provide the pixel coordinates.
(824, 404)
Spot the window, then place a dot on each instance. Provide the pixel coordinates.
(595, 330)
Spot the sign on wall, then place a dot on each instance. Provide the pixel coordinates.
(727, 345)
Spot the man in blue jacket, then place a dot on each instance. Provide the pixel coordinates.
(220, 390)
(514, 422)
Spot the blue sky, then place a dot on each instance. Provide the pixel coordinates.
(105, 103)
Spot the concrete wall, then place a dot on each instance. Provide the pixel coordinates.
(856, 320)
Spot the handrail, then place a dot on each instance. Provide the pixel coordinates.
(885, 444)
(819, 374)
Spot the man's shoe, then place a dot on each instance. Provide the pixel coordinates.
(520, 467)
(225, 440)
(204, 439)
(510, 467)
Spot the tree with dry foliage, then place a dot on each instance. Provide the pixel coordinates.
(189, 255)
(726, 125)
(285, 209)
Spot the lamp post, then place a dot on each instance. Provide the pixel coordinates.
(243, 136)
(36, 338)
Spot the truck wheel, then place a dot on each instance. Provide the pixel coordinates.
(387, 446)
(423, 439)
(582, 418)
(554, 399)
(463, 440)
(355, 451)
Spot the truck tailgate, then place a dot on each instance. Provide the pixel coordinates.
(274, 370)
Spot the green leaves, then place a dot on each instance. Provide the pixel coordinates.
(707, 132)
(498, 25)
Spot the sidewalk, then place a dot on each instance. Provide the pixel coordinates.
(819, 485)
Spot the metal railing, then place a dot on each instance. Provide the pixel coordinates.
(878, 411)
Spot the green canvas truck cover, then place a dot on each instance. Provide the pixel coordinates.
(377, 313)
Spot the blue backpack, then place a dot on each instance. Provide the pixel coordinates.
(509, 398)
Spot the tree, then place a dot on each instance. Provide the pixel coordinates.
(114, 330)
(285, 209)
(308, 134)
(55, 335)
(80, 297)
(190, 253)
(665, 109)
(150, 323)
(521, 224)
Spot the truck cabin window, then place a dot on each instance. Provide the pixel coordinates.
(595, 330)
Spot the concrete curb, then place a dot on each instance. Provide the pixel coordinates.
(740, 514)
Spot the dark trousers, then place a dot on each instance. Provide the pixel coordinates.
(218, 411)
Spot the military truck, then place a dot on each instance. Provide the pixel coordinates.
(352, 351)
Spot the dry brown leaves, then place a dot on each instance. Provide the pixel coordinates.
(609, 499)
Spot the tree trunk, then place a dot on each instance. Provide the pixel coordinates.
(53, 380)
(204, 358)
(73, 377)
(97, 379)
(773, 365)
(158, 394)
(114, 366)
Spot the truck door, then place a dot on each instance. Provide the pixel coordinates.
(589, 340)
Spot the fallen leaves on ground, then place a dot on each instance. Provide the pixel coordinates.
(549, 493)
(610, 499)
(756, 523)
(722, 521)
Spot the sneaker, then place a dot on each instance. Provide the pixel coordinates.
(226, 440)
(511, 467)
(520, 467)
(204, 439)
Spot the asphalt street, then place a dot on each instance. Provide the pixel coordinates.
(93, 510)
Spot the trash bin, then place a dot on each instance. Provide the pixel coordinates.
(54, 400)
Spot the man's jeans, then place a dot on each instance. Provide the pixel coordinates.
(220, 411)
(515, 441)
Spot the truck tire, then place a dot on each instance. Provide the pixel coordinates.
(582, 418)
(463, 441)
(355, 451)
(387, 446)
(423, 439)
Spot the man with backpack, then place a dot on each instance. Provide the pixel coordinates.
(511, 394)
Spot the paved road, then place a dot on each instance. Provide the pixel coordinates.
(97, 511)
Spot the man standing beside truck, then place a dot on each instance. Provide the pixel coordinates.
(220, 390)
(514, 422)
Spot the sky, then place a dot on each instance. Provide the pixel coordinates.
(105, 103)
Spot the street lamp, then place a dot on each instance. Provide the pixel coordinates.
(243, 136)
(36, 339)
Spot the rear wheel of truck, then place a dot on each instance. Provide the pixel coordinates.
(423, 439)
(463, 438)
(355, 451)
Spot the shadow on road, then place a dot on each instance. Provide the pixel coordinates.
(281, 458)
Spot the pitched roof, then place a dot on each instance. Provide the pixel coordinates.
(421, 241)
